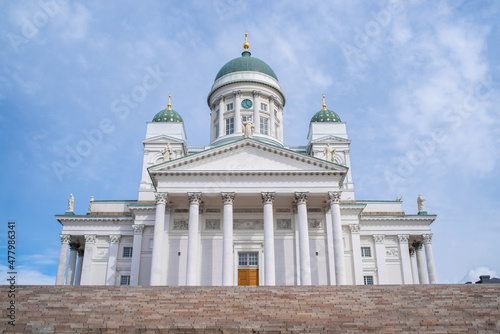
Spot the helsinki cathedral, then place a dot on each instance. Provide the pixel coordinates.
(246, 209)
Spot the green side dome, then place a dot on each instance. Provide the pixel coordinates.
(168, 115)
(246, 63)
(326, 115)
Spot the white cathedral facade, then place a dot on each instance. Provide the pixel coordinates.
(246, 209)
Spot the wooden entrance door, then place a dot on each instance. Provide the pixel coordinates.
(248, 269)
(248, 277)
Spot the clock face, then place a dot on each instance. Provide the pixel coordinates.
(246, 103)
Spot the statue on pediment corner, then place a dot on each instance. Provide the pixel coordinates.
(420, 203)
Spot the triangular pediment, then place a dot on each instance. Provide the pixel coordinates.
(248, 155)
(163, 139)
(330, 139)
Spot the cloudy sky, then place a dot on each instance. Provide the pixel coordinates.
(417, 83)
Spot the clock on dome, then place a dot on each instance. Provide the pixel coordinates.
(246, 103)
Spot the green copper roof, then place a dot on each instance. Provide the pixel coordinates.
(326, 116)
(246, 63)
(168, 115)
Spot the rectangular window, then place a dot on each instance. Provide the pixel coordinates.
(368, 280)
(216, 129)
(242, 259)
(275, 113)
(229, 106)
(125, 280)
(217, 113)
(252, 259)
(248, 259)
(276, 130)
(245, 118)
(264, 126)
(366, 252)
(263, 106)
(127, 251)
(229, 126)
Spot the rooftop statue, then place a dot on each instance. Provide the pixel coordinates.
(248, 128)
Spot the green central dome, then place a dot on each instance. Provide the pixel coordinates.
(326, 115)
(168, 115)
(246, 63)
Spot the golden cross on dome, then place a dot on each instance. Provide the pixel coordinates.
(169, 105)
(324, 105)
(246, 45)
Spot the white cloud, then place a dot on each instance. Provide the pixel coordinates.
(26, 276)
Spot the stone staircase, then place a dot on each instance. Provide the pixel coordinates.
(291, 309)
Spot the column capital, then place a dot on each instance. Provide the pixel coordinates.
(267, 198)
(301, 198)
(354, 228)
(81, 251)
(90, 238)
(272, 98)
(161, 198)
(65, 238)
(427, 238)
(379, 238)
(138, 228)
(219, 98)
(114, 238)
(256, 93)
(194, 198)
(74, 245)
(227, 198)
(412, 251)
(403, 238)
(236, 93)
(334, 196)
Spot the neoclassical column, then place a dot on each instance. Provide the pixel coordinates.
(272, 118)
(237, 114)
(380, 256)
(269, 265)
(256, 110)
(305, 256)
(329, 243)
(356, 254)
(222, 126)
(192, 269)
(90, 239)
(297, 245)
(70, 276)
(413, 269)
(338, 247)
(166, 246)
(431, 270)
(227, 239)
(404, 253)
(114, 241)
(161, 201)
(63, 258)
(136, 254)
(420, 262)
(79, 264)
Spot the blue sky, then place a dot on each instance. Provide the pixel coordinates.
(416, 82)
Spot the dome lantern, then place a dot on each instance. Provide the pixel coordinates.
(325, 115)
(168, 115)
